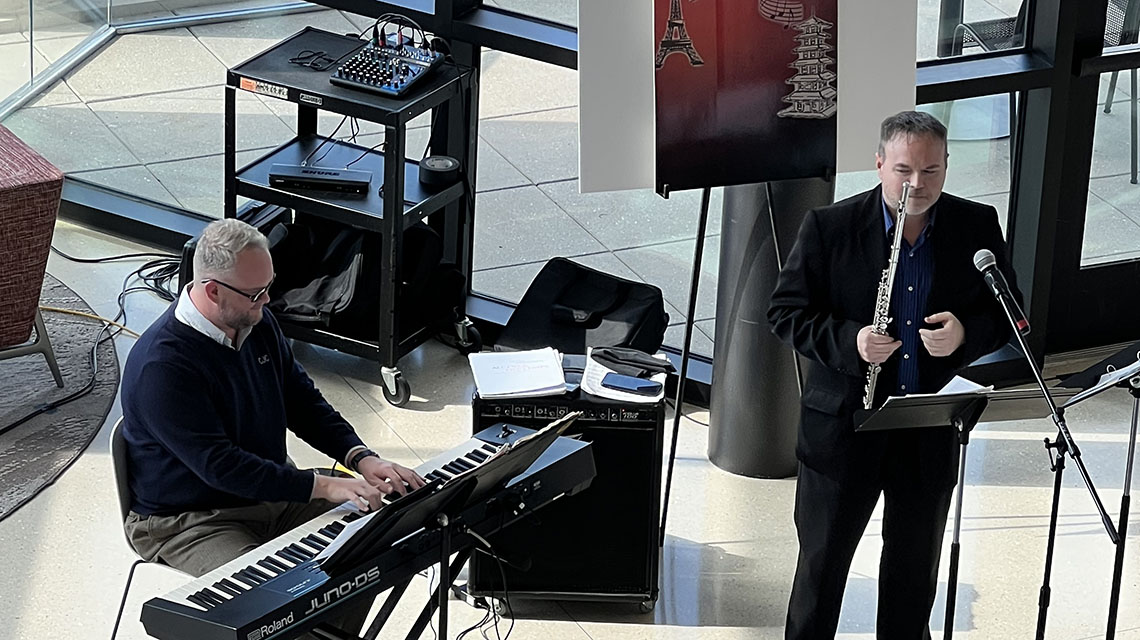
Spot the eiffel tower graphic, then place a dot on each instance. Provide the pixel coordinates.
(676, 38)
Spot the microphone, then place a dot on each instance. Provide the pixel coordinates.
(985, 262)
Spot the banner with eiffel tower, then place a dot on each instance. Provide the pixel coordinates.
(684, 94)
(745, 91)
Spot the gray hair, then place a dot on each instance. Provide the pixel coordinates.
(220, 243)
(911, 123)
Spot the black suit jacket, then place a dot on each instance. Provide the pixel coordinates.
(826, 293)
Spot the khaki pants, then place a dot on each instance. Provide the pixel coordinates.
(198, 542)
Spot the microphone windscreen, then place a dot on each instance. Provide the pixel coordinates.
(984, 259)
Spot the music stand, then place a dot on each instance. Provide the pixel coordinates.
(960, 410)
(1127, 377)
(963, 411)
(437, 510)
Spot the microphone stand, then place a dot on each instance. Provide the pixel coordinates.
(1064, 445)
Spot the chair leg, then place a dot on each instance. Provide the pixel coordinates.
(1133, 105)
(959, 41)
(1111, 92)
(123, 602)
(45, 347)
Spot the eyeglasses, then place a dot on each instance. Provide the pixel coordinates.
(253, 297)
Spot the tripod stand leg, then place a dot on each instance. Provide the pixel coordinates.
(439, 597)
(386, 610)
(698, 252)
(955, 546)
(1117, 570)
(1043, 597)
(1118, 565)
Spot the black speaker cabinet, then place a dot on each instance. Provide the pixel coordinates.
(600, 544)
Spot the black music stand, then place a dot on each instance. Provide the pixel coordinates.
(1099, 377)
(438, 510)
(963, 411)
(960, 410)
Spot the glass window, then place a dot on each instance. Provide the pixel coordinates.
(60, 25)
(1112, 217)
(130, 11)
(15, 50)
(562, 11)
(1115, 33)
(528, 208)
(156, 132)
(957, 27)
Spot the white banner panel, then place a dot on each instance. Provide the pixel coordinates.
(876, 74)
(615, 95)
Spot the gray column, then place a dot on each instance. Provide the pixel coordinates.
(754, 409)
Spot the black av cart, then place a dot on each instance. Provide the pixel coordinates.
(394, 201)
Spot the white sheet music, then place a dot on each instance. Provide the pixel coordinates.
(958, 384)
(1107, 380)
(349, 530)
(518, 374)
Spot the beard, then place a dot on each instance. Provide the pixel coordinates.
(239, 319)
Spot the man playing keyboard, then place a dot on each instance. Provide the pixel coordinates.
(208, 392)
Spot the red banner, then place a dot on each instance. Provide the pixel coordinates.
(745, 91)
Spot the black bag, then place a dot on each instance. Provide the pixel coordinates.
(317, 270)
(328, 275)
(571, 307)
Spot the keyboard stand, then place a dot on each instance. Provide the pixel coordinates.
(443, 521)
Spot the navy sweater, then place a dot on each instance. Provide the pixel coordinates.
(205, 425)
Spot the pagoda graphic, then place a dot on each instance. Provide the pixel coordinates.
(782, 12)
(813, 93)
(676, 38)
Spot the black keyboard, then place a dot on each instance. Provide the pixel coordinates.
(387, 70)
(275, 590)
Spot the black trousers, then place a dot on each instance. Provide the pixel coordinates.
(831, 514)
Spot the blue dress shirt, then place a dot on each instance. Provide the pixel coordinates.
(913, 276)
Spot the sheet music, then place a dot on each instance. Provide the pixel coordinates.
(518, 374)
(349, 530)
(958, 384)
(1107, 380)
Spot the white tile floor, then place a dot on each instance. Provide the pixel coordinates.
(726, 566)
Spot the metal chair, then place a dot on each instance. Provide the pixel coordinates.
(121, 467)
(1121, 28)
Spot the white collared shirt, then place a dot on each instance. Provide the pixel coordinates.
(189, 315)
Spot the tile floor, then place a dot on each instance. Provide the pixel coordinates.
(729, 556)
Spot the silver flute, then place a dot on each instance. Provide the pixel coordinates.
(883, 300)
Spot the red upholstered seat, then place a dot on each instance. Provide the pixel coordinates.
(29, 200)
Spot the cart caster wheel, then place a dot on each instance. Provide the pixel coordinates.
(646, 606)
(402, 395)
(474, 342)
